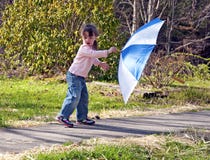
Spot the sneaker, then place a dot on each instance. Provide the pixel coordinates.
(86, 121)
(64, 121)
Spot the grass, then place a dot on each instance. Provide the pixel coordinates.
(40, 100)
(152, 147)
(30, 100)
(98, 152)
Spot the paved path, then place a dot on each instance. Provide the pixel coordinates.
(17, 140)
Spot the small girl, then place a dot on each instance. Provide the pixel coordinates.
(77, 94)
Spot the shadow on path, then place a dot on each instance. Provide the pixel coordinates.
(19, 139)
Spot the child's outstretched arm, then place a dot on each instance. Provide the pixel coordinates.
(112, 50)
(104, 66)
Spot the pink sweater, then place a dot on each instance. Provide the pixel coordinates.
(84, 60)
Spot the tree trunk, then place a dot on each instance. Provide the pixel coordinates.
(136, 20)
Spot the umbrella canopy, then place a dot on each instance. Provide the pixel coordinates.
(135, 54)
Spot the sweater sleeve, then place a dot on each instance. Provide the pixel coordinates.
(86, 51)
(96, 62)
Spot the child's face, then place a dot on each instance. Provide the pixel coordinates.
(89, 40)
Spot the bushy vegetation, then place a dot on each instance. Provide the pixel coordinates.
(163, 70)
(43, 36)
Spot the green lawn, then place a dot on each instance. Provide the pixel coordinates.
(29, 99)
(40, 100)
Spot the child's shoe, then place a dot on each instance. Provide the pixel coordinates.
(86, 121)
(65, 121)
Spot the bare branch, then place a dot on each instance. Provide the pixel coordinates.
(144, 18)
(193, 41)
(126, 3)
(163, 9)
(149, 10)
(203, 16)
(157, 4)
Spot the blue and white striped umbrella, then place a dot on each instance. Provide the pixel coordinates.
(135, 54)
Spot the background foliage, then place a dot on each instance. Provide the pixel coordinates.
(41, 37)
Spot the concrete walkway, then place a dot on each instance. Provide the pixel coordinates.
(17, 140)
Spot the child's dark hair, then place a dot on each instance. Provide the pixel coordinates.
(91, 29)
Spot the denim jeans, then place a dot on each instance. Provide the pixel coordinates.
(76, 97)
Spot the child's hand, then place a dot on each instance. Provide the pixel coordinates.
(112, 50)
(104, 66)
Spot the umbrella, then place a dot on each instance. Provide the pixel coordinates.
(135, 54)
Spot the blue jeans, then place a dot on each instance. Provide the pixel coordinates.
(76, 97)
